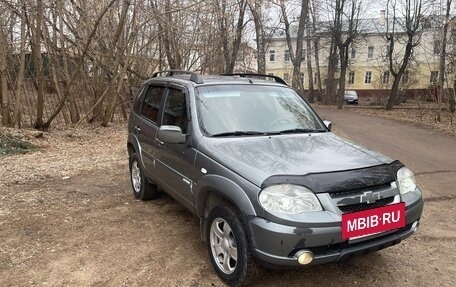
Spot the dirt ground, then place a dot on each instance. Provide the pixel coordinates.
(68, 218)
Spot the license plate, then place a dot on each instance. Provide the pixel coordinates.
(372, 221)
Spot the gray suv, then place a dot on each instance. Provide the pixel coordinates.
(269, 181)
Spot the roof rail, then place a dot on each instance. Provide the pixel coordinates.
(194, 77)
(248, 75)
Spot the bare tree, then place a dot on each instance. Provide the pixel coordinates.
(36, 29)
(404, 27)
(316, 49)
(230, 36)
(309, 67)
(256, 8)
(295, 55)
(80, 64)
(442, 62)
(20, 74)
(345, 32)
(3, 79)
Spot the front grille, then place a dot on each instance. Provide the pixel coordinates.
(360, 190)
(366, 206)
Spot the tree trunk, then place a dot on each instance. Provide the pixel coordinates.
(100, 78)
(257, 14)
(310, 72)
(398, 75)
(38, 65)
(296, 80)
(6, 120)
(118, 47)
(20, 76)
(74, 112)
(224, 34)
(317, 66)
(443, 44)
(412, 26)
(237, 38)
(394, 89)
(316, 45)
(330, 78)
(343, 54)
(453, 98)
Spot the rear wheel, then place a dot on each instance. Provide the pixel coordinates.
(142, 188)
(228, 247)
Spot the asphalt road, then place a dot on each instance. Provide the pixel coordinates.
(430, 155)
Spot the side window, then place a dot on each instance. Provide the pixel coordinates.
(137, 100)
(151, 104)
(176, 110)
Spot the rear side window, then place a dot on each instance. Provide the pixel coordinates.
(137, 100)
(151, 104)
(176, 110)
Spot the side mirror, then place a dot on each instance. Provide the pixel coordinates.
(170, 134)
(328, 124)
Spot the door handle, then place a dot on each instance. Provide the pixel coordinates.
(159, 141)
(137, 128)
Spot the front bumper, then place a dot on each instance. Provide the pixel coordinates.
(275, 244)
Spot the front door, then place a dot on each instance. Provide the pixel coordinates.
(175, 161)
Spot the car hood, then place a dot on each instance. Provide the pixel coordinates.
(257, 158)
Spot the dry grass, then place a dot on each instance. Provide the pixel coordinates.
(59, 155)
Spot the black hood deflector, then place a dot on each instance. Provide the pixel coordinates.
(339, 181)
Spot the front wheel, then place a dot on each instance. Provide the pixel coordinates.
(142, 188)
(228, 247)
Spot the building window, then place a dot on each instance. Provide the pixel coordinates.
(351, 78)
(436, 47)
(368, 77)
(272, 55)
(386, 77)
(316, 78)
(304, 54)
(405, 77)
(353, 53)
(370, 52)
(286, 55)
(270, 74)
(301, 78)
(434, 76)
(286, 77)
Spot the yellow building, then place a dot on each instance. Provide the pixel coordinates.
(368, 71)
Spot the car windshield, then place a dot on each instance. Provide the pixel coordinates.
(242, 110)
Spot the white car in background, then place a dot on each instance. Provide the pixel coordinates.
(351, 97)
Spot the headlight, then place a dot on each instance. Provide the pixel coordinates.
(288, 198)
(406, 180)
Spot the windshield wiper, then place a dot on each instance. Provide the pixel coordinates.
(301, 130)
(239, 133)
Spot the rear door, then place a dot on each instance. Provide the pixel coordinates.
(147, 125)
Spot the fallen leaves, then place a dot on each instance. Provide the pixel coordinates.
(91, 148)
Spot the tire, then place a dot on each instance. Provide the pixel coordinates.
(142, 188)
(228, 247)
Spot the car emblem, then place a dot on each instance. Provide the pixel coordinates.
(369, 197)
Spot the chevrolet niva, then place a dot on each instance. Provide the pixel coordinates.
(269, 181)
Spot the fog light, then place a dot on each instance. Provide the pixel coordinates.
(304, 257)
